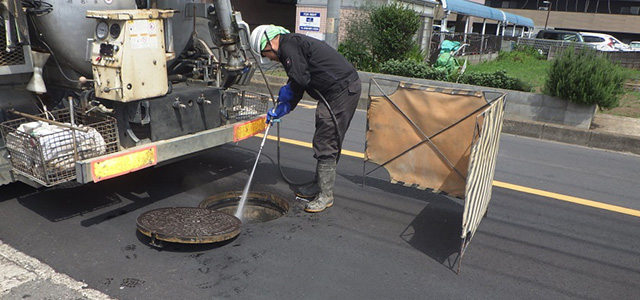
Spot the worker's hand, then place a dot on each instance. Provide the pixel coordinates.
(286, 94)
(279, 111)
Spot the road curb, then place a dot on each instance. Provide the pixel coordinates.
(571, 135)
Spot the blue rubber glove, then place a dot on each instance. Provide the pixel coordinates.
(279, 111)
(286, 94)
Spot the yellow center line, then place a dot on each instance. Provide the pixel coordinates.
(309, 145)
(308, 106)
(519, 188)
(571, 199)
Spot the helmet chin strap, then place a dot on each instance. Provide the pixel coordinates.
(269, 42)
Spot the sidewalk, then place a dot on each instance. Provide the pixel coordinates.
(24, 277)
(608, 132)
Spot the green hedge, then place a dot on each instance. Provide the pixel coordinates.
(497, 79)
(409, 68)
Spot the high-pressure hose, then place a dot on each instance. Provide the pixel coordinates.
(335, 124)
(333, 118)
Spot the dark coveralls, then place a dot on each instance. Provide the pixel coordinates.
(313, 65)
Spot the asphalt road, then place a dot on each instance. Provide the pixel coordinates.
(382, 241)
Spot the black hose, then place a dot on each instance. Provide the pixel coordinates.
(333, 117)
(335, 123)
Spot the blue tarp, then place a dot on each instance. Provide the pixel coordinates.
(479, 10)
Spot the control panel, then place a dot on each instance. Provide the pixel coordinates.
(128, 54)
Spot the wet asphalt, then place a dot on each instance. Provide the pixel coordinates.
(381, 241)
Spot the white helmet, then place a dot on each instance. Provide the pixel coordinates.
(259, 37)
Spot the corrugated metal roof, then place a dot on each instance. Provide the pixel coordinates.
(518, 20)
(479, 10)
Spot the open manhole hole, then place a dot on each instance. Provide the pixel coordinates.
(259, 206)
(188, 225)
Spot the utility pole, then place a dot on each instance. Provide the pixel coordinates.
(548, 3)
(333, 23)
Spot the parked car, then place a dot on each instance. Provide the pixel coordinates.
(560, 35)
(604, 42)
(635, 45)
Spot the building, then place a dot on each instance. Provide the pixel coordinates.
(310, 16)
(258, 12)
(463, 16)
(615, 17)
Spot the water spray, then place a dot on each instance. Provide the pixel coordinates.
(245, 192)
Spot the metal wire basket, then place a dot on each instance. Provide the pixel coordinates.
(46, 153)
(246, 105)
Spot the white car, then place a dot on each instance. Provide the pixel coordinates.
(635, 45)
(604, 42)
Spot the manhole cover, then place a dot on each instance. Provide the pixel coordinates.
(259, 207)
(190, 225)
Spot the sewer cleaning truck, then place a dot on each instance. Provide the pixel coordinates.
(95, 89)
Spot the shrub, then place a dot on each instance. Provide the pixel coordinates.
(583, 76)
(416, 54)
(497, 79)
(395, 26)
(356, 44)
(381, 33)
(357, 54)
(410, 68)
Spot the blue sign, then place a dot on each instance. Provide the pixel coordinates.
(310, 14)
(309, 21)
(309, 28)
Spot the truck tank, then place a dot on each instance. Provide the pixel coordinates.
(66, 29)
(199, 110)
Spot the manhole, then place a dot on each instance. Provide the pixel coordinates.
(259, 207)
(189, 225)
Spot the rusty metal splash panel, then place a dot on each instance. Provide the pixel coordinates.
(189, 225)
(447, 117)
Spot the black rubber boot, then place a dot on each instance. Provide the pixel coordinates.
(326, 170)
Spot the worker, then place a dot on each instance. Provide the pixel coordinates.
(313, 66)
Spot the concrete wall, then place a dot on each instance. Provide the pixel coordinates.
(479, 58)
(519, 105)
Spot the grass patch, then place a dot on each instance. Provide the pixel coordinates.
(629, 106)
(527, 68)
(531, 70)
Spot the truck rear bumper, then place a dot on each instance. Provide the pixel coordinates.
(143, 156)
